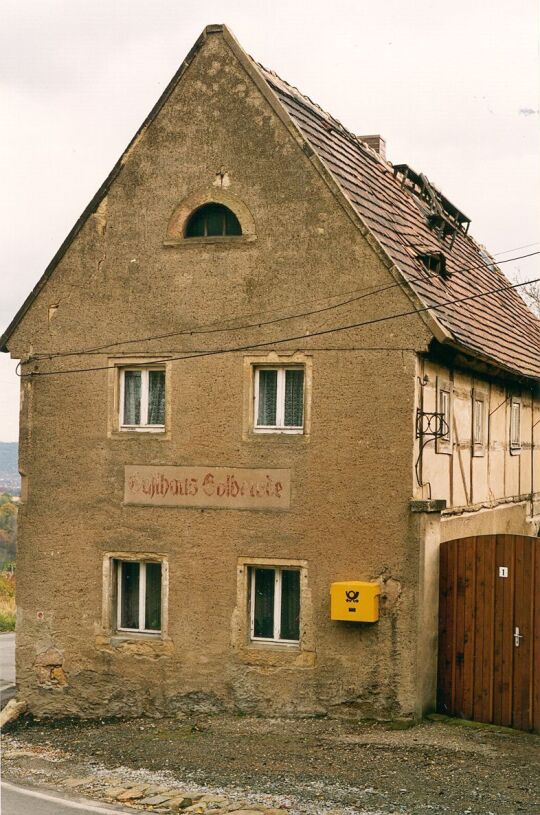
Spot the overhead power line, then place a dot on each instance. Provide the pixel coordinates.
(515, 249)
(278, 341)
(366, 292)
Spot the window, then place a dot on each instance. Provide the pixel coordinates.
(478, 422)
(142, 399)
(212, 220)
(434, 262)
(275, 604)
(515, 425)
(279, 399)
(444, 408)
(138, 596)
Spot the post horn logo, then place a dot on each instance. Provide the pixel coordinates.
(352, 596)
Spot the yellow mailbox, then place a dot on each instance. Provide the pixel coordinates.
(355, 600)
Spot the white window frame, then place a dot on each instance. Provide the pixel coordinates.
(479, 403)
(278, 572)
(279, 427)
(444, 387)
(515, 427)
(142, 597)
(445, 411)
(145, 389)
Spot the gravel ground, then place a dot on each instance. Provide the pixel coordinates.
(310, 766)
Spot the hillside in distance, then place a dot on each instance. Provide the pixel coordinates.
(10, 480)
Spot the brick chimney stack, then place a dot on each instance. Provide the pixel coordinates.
(377, 143)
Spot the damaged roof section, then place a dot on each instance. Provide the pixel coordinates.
(441, 215)
(410, 218)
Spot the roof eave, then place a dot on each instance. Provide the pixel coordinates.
(487, 364)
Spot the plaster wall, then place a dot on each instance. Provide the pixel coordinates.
(489, 476)
(125, 278)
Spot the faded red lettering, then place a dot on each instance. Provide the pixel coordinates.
(208, 484)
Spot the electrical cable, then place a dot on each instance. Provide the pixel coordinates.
(515, 249)
(278, 341)
(260, 324)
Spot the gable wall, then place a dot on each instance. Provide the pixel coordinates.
(349, 509)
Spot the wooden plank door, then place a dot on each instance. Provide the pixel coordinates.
(484, 629)
(489, 630)
(523, 645)
(503, 627)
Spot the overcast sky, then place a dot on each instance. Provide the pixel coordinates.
(453, 88)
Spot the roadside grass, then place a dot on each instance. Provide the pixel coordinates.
(7, 602)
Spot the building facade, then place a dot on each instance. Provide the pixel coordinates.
(263, 362)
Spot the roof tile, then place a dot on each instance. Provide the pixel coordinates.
(498, 326)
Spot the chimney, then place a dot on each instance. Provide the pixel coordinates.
(377, 143)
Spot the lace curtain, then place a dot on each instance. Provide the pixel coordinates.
(294, 398)
(132, 397)
(156, 397)
(134, 384)
(266, 416)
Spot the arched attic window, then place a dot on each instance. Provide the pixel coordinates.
(212, 220)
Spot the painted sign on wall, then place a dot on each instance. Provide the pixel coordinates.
(219, 487)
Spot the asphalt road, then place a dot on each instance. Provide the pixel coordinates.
(7, 659)
(7, 667)
(21, 801)
(15, 800)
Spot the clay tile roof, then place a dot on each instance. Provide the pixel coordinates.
(498, 327)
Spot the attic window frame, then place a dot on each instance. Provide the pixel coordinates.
(204, 211)
(434, 262)
(175, 236)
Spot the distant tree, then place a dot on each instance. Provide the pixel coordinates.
(530, 292)
(8, 517)
(8, 530)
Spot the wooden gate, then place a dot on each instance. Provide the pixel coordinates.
(489, 630)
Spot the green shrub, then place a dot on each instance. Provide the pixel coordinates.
(7, 621)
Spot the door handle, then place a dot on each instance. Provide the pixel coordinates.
(517, 636)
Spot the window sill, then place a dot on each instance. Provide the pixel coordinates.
(276, 437)
(159, 435)
(515, 451)
(137, 644)
(218, 240)
(274, 654)
(279, 431)
(268, 643)
(131, 428)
